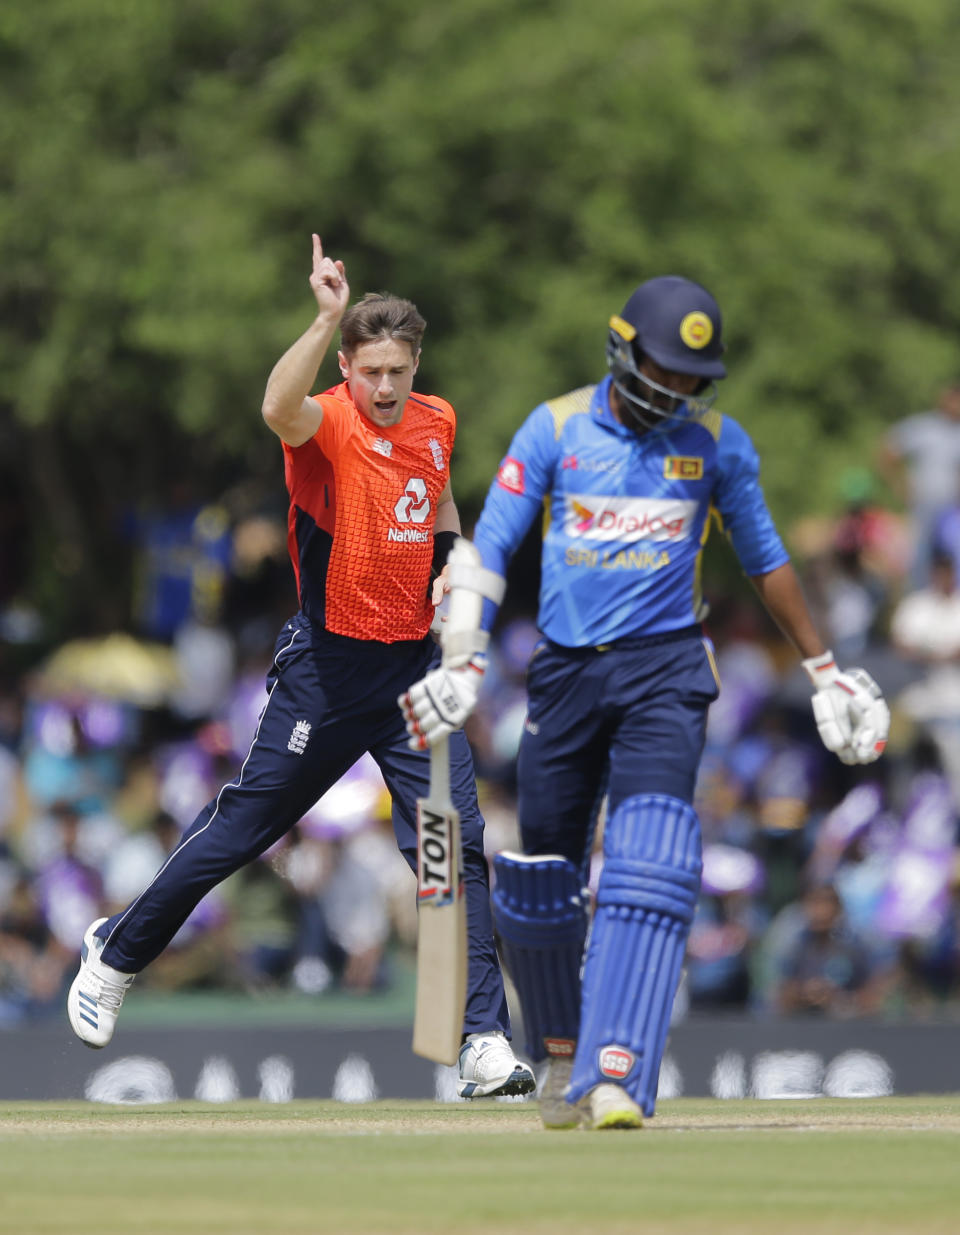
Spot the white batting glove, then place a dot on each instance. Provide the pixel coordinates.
(441, 702)
(852, 718)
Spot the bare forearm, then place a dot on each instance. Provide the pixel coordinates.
(448, 518)
(286, 406)
(294, 374)
(783, 599)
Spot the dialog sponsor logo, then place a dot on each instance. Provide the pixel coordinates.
(626, 519)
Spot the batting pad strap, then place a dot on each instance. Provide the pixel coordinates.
(645, 902)
(539, 911)
(475, 578)
(657, 889)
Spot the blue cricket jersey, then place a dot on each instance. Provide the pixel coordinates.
(627, 516)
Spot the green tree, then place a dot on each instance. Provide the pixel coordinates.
(515, 167)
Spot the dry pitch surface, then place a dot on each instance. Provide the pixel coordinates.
(307, 1168)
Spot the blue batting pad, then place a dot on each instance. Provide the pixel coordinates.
(539, 910)
(645, 903)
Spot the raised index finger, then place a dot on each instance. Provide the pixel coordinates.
(317, 251)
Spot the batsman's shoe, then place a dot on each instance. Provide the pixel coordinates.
(489, 1068)
(610, 1106)
(555, 1112)
(97, 992)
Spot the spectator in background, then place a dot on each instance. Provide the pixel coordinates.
(880, 536)
(343, 918)
(34, 967)
(854, 563)
(848, 593)
(925, 627)
(826, 969)
(746, 668)
(68, 886)
(132, 863)
(494, 729)
(263, 913)
(946, 538)
(184, 555)
(920, 459)
(728, 921)
(930, 965)
(66, 759)
(343, 921)
(917, 906)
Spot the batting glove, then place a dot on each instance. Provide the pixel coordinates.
(441, 702)
(852, 718)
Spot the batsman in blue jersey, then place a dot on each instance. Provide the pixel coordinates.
(631, 472)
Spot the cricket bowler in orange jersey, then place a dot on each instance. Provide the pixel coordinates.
(371, 520)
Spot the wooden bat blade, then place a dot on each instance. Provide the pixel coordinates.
(441, 929)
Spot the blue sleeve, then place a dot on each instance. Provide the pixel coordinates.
(515, 497)
(741, 505)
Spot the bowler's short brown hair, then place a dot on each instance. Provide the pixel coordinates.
(379, 315)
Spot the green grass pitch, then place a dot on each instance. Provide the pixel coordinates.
(307, 1168)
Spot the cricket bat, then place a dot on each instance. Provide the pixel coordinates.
(441, 920)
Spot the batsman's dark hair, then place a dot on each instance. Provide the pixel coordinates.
(379, 315)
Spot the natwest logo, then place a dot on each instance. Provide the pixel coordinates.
(408, 535)
(414, 505)
(627, 519)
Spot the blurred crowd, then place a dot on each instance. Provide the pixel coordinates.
(827, 890)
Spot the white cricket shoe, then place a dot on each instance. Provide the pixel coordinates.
(610, 1106)
(489, 1068)
(555, 1112)
(97, 992)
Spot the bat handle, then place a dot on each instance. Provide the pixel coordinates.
(440, 770)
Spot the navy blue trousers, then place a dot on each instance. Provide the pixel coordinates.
(346, 691)
(627, 719)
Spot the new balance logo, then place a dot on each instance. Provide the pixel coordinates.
(437, 451)
(299, 737)
(383, 447)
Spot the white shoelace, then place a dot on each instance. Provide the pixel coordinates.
(111, 993)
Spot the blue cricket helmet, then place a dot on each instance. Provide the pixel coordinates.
(677, 324)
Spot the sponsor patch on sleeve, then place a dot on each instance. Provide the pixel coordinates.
(510, 475)
(683, 467)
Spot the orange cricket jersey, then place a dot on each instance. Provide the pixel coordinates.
(363, 502)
